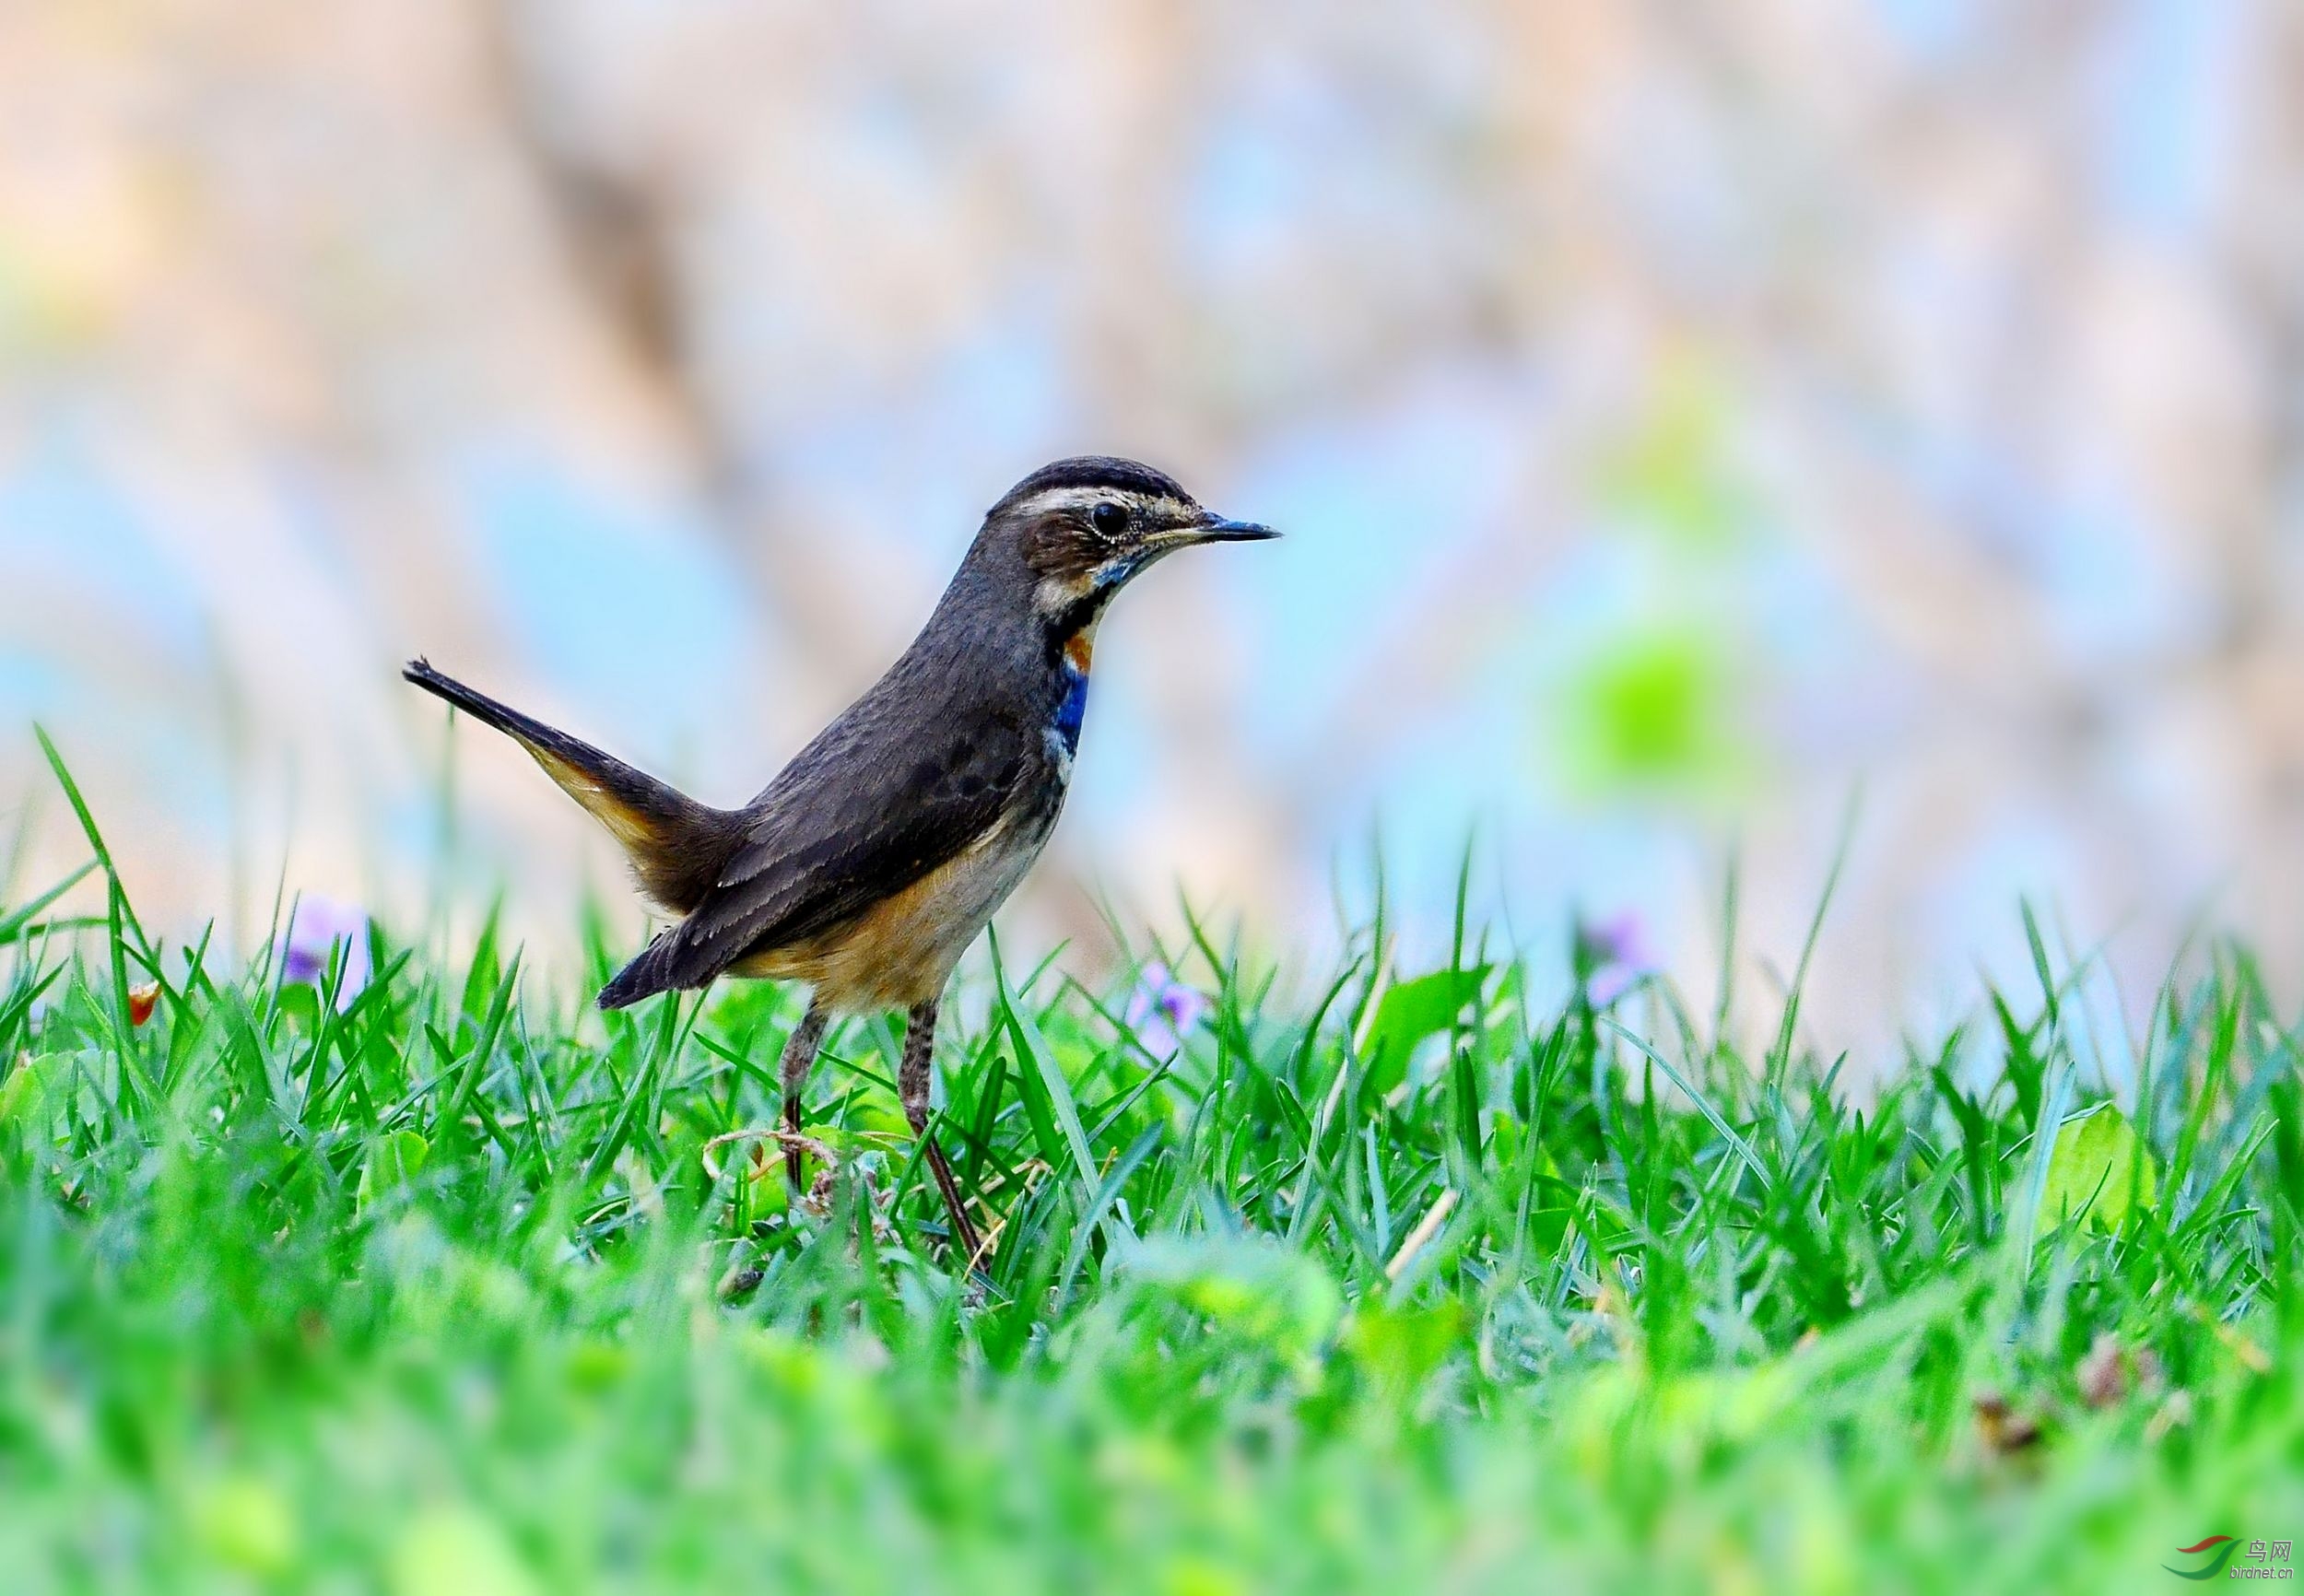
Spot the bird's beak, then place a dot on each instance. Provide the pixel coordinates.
(1159, 545)
(1216, 529)
(1222, 531)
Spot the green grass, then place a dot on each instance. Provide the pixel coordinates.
(1431, 1282)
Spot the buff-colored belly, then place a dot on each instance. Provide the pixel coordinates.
(899, 952)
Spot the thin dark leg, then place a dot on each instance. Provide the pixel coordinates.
(799, 1059)
(912, 1081)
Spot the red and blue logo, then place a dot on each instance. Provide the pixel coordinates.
(2223, 1546)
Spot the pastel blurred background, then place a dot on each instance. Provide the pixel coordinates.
(1685, 415)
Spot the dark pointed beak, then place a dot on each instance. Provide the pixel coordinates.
(1209, 529)
(1217, 530)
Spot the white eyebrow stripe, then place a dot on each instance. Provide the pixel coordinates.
(1054, 499)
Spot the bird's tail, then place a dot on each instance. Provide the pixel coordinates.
(677, 845)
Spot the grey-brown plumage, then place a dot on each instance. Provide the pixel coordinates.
(873, 859)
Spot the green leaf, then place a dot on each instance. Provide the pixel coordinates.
(15, 924)
(1412, 1011)
(2099, 1167)
(24, 1089)
(394, 1159)
(456, 1550)
(1400, 1349)
(482, 977)
(1047, 1093)
(1040, 1112)
(1263, 1294)
(246, 1524)
(1653, 708)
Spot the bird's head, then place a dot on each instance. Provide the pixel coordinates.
(1086, 527)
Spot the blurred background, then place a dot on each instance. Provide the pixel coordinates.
(1685, 414)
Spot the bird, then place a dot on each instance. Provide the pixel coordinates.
(870, 864)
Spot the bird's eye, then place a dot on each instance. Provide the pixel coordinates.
(1108, 520)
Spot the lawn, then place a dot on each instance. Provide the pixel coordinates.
(1468, 1278)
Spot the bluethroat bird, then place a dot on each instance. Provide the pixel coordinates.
(872, 860)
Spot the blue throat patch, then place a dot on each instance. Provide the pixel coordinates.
(1073, 710)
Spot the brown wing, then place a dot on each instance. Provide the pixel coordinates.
(861, 815)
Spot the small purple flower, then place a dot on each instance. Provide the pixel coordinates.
(1163, 1010)
(1613, 955)
(317, 927)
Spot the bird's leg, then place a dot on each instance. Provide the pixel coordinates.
(800, 1052)
(911, 1081)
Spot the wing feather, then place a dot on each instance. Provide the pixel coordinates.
(846, 826)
